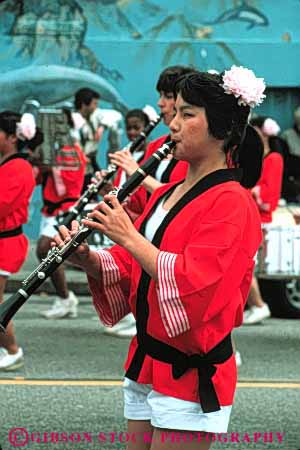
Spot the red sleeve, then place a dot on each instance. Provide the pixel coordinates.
(270, 182)
(198, 283)
(111, 291)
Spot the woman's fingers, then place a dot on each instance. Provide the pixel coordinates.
(75, 226)
(112, 199)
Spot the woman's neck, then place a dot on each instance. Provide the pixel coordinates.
(7, 154)
(198, 171)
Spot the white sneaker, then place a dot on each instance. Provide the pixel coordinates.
(238, 359)
(125, 328)
(3, 352)
(256, 314)
(62, 308)
(11, 362)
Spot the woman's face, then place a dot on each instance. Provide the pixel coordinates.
(7, 143)
(189, 128)
(166, 105)
(134, 126)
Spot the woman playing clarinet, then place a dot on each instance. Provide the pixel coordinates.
(184, 268)
(16, 187)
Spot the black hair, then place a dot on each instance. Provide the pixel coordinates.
(276, 143)
(168, 77)
(84, 97)
(227, 120)
(139, 114)
(8, 124)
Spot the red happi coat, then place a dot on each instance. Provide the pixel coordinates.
(62, 184)
(204, 268)
(16, 187)
(117, 181)
(268, 187)
(176, 171)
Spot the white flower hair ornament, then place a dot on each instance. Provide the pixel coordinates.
(270, 127)
(26, 128)
(244, 85)
(150, 112)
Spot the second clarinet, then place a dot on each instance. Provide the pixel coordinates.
(112, 168)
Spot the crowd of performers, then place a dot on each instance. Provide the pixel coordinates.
(181, 271)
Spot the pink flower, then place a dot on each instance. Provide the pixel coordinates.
(270, 127)
(244, 85)
(26, 128)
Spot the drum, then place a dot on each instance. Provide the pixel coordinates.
(96, 239)
(279, 254)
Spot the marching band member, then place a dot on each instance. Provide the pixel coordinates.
(266, 194)
(184, 268)
(61, 188)
(136, 121)
(16, 187)
(169, 169)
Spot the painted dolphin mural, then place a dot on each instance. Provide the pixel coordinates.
(51, 84)
(242, 13)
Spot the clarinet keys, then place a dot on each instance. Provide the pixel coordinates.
(41, 275)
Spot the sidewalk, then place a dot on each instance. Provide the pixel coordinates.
(77, 281)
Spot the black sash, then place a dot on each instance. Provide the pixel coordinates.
(11, 233)
(52, 206)
(147, 345)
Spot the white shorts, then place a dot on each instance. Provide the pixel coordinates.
(47, 227)
(3, 273)
(141, 402)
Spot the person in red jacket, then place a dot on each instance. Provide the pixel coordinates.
(16, 187)
(61, 187)
(169, 169)
(266, 194)
(184, 268)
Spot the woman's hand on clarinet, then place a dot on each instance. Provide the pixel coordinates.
(125, 161)
(82, 252)
(113, 221)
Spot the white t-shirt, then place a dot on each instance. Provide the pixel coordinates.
(155, 220)
(161, 168)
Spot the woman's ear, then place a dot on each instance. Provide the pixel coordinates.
(12, 138)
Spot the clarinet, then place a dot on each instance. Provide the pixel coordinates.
(57, 256)
(112, 169)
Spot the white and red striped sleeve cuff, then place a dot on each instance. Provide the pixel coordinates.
(115, 306)
(172, 310)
